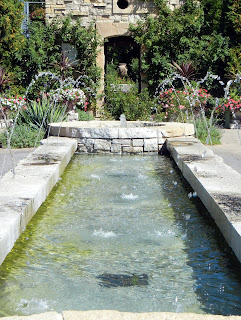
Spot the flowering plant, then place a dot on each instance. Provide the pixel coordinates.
(230, 104)
(190, 100)
(13, 104)
(72, 97)
(38, 14)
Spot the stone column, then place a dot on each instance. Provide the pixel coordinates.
(100, 62)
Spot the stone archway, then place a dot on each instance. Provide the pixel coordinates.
(107, 30)
(123, 49)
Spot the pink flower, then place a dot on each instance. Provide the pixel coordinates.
(181, 107)
(86, 104)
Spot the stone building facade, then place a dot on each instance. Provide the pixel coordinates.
(111, 11)
(112, 17)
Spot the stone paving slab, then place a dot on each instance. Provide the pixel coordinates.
(116, 315)
(112, 129)
(7, 162)
(42, 316)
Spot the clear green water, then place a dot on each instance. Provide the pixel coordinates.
(121, 233)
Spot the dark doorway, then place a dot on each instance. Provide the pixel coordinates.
(123, 50)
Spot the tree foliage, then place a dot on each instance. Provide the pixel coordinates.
(179, 36)
(86, 41)
(234, 16)
(42, 50)
(11, 39)
(214, 15)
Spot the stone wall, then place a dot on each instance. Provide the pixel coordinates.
(103, 10)
(110, 137)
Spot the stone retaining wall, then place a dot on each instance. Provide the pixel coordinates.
(109, 137)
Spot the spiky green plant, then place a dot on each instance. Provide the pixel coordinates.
(39, 114)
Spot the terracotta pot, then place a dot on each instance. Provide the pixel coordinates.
(123, 69)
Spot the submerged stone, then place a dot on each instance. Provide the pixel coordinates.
(122, 280)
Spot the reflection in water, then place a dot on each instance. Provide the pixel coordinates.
(118, 233)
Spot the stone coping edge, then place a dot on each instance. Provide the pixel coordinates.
(21, 195)
(217, 185)
(113, 314)
(112, 130)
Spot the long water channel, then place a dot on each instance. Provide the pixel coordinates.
(124, 233)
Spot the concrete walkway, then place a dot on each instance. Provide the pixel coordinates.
(230, 148)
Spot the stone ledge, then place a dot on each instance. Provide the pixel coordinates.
(139, 136)
(22, 195)
(113, 314)
(217, 185)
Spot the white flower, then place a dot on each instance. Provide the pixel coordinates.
(70, 94)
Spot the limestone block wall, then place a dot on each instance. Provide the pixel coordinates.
(110, 137)
(103, 10)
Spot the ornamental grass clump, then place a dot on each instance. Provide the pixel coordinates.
(23, 136)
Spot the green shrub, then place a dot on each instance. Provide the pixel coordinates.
(121, 96)
(135, 106)
(179, 36)
(23, 136)
(84, 116)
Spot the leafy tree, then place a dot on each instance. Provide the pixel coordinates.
(86, 41)
(214, 17)
(234, 16)
(178, 36)
(41, 49)
(11, 39)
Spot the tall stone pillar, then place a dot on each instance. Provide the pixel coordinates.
(106, 29)
(100, 62)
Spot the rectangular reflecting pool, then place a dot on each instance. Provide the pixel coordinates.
(124, 233)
